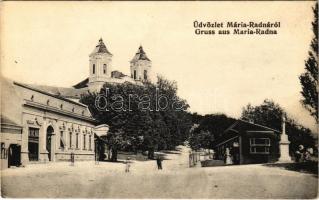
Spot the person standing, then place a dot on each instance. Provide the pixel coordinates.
(228, 159)
(300, 154)
(159, 162)
(127, 165)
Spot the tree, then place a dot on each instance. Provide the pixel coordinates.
(201, 139)
(309, 79)
(136, 123)
(270, 114)
(209, 129)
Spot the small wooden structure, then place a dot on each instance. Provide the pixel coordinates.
(248, 143)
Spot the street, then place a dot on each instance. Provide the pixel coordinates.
(109, 180)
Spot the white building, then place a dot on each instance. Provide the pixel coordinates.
(37, 126)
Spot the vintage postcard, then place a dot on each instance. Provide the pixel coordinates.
(159, 99)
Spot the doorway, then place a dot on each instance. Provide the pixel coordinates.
(14, 155)
(49, 142)
(33, 144)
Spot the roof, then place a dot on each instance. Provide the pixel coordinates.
(140, 55)
(240, 127)
(5, 120)
(81, 84)
(101, 130)
(246, 124)
(57, 92)
(101, 48)
(117, 74)
(74, 93)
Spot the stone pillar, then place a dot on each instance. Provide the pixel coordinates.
(284, 144)
(24, 145)
(53, 144)
(43, 153)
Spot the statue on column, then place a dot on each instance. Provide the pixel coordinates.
(284, 144)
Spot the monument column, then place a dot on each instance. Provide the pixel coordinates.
(284, 144)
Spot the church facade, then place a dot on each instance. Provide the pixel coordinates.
(101, 69)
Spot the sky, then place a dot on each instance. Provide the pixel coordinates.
(49, 43)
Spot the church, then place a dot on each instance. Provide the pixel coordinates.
(101, 69)
(41, 123)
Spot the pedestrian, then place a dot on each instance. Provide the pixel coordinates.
(228, 157)
(159, 162)
(299, 154)
(72, 159)
(127, 165)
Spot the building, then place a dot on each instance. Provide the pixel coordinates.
(140, 66)
(37, 126)
(41, 123)
(101, 69)
(248, 143)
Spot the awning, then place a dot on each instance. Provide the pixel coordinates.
(99, 138)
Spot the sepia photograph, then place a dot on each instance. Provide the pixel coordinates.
(159, 99)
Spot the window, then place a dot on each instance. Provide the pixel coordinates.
(70, 140)
(84, 137)
(104, 68)
(90, 140)
(145, 74)
(93, 68)
(134, 74)
(77, 141)
(62, 142)
(259, 145)
(33, 132)
(33, 144)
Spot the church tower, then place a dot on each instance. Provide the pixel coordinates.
(140, 66)
(100, 66)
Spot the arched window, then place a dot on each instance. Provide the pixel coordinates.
(93, 68)
(84, 141)
(145, 74)
(90, 141)
(62, 143)
(104, 68)
(70, 140)
(77, 141)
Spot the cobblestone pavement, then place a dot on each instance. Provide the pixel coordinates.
(176, 180)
